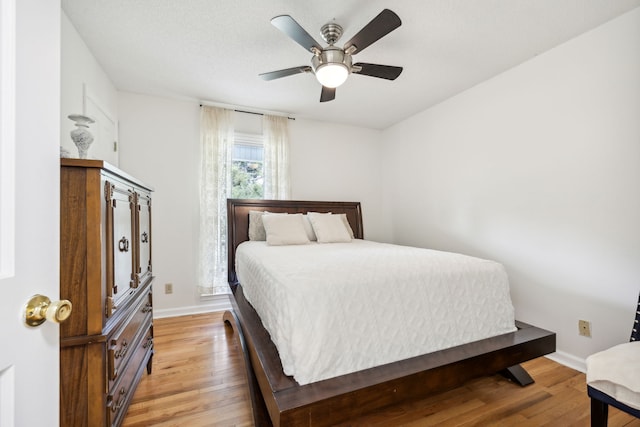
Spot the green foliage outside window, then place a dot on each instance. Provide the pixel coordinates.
(246, 180)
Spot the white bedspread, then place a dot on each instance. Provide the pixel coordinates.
(337, 308)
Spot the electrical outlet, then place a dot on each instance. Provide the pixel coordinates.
(168, 288)
(584, 328)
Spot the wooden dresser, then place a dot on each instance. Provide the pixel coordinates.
(105, 271)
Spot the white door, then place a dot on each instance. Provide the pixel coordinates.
(29, 208)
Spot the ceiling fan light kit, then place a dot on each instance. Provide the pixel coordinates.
(332, 65)
(332, 75)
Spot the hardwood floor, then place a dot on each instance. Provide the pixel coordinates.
(198, 379)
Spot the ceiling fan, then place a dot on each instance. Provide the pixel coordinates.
(332, 65)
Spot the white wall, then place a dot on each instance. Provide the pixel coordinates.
(80, 71)
(160, 145)
(342, 163)
(538, 168)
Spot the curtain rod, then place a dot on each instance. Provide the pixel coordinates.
(251, 112)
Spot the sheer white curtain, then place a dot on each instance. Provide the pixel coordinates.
(276, 157)
(216, 147)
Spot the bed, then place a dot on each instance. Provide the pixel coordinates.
(279, 400)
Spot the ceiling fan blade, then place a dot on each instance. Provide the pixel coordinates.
(327, 94)
(388, 72)
(379, 27)
(272, 75)
(290, 27)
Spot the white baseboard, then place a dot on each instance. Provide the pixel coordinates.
(569, 360)
(215, 303)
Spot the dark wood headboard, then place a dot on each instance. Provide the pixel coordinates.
(238, 219)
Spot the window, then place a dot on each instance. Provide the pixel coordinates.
(247, 167)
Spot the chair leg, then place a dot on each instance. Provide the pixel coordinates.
(599, 413)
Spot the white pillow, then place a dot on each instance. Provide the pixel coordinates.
(285, 229)
(347, 225)
(329, 228)
(256, 228)
(609, 371)
(308, 228)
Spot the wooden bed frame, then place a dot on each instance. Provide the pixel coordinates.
(279, 400)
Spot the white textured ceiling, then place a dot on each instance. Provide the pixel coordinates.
(213, 50)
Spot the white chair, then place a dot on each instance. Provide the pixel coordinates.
(613, 378)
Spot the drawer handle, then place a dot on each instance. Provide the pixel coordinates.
(148, 343)
(113, 371)
(120, 401)
(123, 350)
(147, 308)
(144, 238)
(123, 244)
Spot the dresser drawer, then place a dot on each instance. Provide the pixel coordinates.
(121, 343)
(121, 393)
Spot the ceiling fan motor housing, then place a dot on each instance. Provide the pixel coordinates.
(331, 32)
(331, 55)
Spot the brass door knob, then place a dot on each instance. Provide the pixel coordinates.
(40, 308)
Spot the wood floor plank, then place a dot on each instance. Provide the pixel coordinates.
(198, 380)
